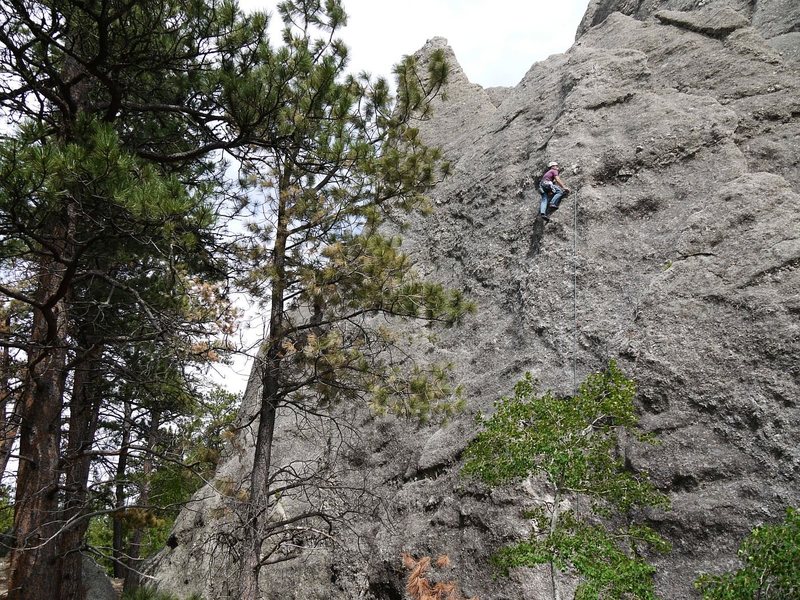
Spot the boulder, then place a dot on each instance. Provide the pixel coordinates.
(97, 583)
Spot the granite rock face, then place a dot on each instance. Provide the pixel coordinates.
(97, 584)
(678, 255)
(771, 18)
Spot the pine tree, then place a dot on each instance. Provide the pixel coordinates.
(111, 188)
(107, 207)
(13, 315)
(331, 274)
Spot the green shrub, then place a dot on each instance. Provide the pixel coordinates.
(149, 593)
(571, 443)
(771, 557)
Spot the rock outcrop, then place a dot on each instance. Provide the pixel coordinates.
(96, 582)
(679, 256)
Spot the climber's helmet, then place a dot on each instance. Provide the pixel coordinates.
(553, 164)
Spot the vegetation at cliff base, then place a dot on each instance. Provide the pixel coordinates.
(147, 593)
(592, 523)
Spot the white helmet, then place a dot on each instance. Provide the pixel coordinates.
(552, 164)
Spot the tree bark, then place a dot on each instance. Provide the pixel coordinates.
(84, 411)
(135, 548)
(258, 505)
(120, 496)
(35, 557)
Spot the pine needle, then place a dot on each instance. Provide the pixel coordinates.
(419, 586)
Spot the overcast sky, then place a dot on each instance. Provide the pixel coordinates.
(496, 41)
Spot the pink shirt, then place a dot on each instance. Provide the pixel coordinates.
(550, 175)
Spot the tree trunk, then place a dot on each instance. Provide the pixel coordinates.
(33, 560)
(120, 497)
(9, 423)
(258, 505)
(35, 566)
(84, 411)
(134, 551)
(35, 557)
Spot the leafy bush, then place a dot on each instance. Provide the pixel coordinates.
(771, 557)
(572, 444)
(149, 593)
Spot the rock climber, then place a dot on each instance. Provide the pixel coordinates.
(552, 189)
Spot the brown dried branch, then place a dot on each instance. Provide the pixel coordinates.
(419, 586)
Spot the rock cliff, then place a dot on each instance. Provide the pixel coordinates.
(678, 256)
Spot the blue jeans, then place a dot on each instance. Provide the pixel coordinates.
(554, 201)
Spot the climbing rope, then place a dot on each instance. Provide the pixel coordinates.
(575, 294)
(575, 315)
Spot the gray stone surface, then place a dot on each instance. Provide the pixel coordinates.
(770, 17)
(776, 17)
(97, 583)
(684, 241)
(718, 23)
(787, 45)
